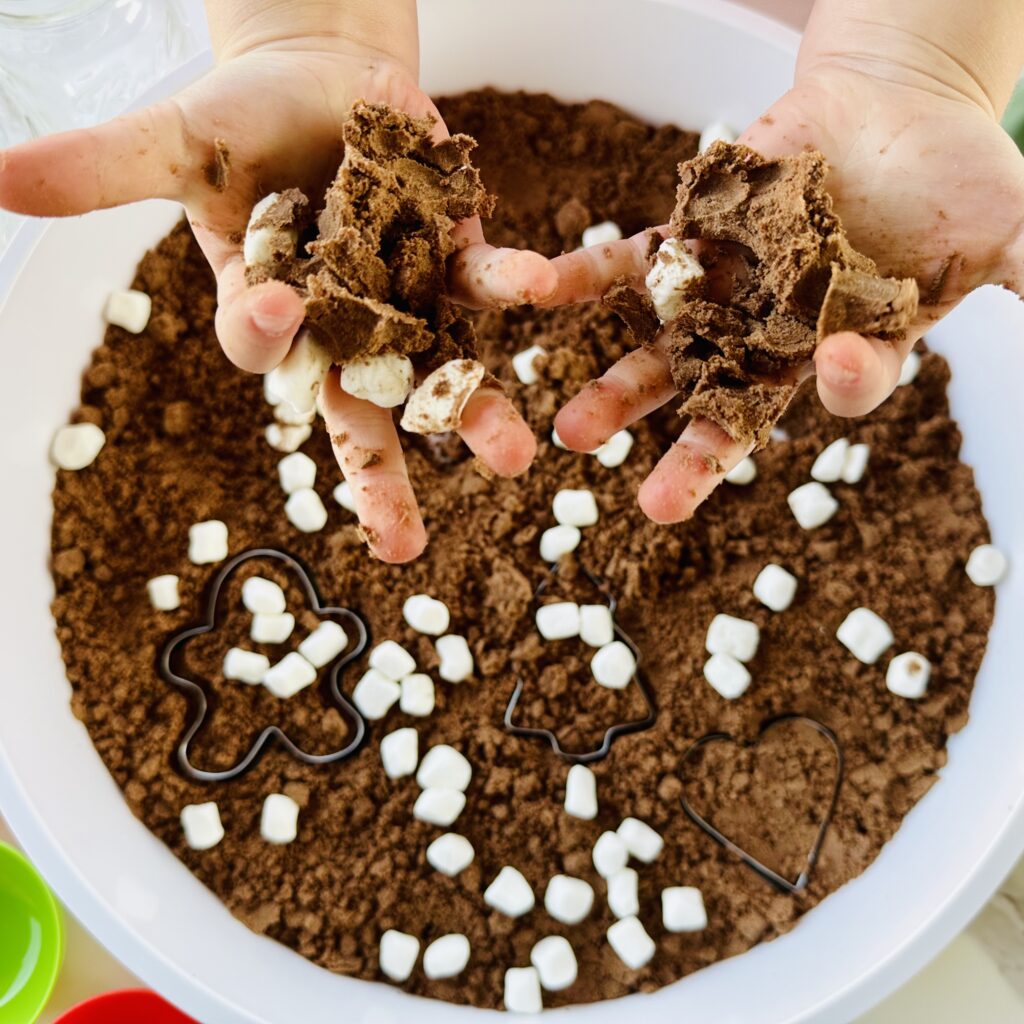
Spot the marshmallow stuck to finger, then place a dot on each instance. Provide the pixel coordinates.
(267, 242)
(435, 407)
(673, 279)
(384, 379)
(296, 380)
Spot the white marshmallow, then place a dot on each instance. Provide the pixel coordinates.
(287, 438)
(908, 675)
(522, 364)
(289, 676)
(305, 510)
(289, 417)
(610, 854)
(262, 246)
(558, 621)
(631, 942)
(450, 854)
(446, 957)
(374, 694)
(272, 629)
(392, 660)
(522, 990)
(435, 407)
(986, 565)
(743, 473)
(717, 131)
(129, 309)
(828, 466)
(426, 615)
(775, 587)
(909, 369)
(568, 899)
(812, 504)
(557, 541)
(202, 826)
(398, 954)
(400, 752)
(444, 767)
(417, 696)
(76, 446)
(682, 909)
(856, 463)
(613, 665)
(456, 658)
(245, 666)
(343, 496)
(296, 472)
(727, 675)
(671, 278)
(296, 380)
(557, 441)
(207, 542)
(555, 962)
(596, 626)
(384, 379)
(510, 893)
(574, 507)
(439, 806)
(163, 592)
(615, 450)
(730, 635)
(641, 840)
(624, 893)
(262, 595)
(279, 822)
(601, 234)
(581, 793)
(324, 644)
(865, 635)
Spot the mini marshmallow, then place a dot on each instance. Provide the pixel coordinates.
(828, 466)
(296, 380)
(510, 893)
(398, 954)
(450, 854)
(522, 990)
(775, 587)
(522, 364)
(287, 438)
(400, 752)
(439, 806)
(435, 407)
(261, 595)
(324, 644)
(682, 909)
(446, 957)
(207, 542)
(558, 621)
(610, 854)
(289, 676)
(596, 626)
(717, 131)
(375, 694)
(743, 473)
(392, 660)
(426, 615)
(129, 309)
(264, 246)
(568, 899)
(289, 417)
(641, 840)
(296, 472)
(163, 592)
(245, 666)
(557, 541)
(856, 463)
(202, 826)
(671, 279)
(581, 793)
(865, 635)
(343, 496)
(305, 510)
(444, 767)
(574, 507)
(812, 504)
(631, 942)
(615, 450)
(384, 379)
(279, 822)
(986, 565)
(909, 369)
(456, 658)
(624, 893)
(555, 962)
(272, 629)
(727, 675)
(601, 234)
(417, 696)
(730, 635)
(557, 441)
(908, 675)
(76, 446)
(614, 665)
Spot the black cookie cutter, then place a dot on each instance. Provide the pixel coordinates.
(271, 733)
(612, 734)
(780, 882)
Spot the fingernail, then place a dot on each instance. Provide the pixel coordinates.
(272, 324)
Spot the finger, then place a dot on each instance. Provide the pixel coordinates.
(857, 373)
(496, 433)
(366, 446)
(481, 276)
(636, 385)
(139, 156)
(689, 471)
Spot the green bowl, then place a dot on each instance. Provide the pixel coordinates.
(31, 939)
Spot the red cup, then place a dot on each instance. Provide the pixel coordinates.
(132, 1006)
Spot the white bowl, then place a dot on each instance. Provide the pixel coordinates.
(688, 62)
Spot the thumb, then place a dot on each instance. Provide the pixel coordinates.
(1014, 278)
